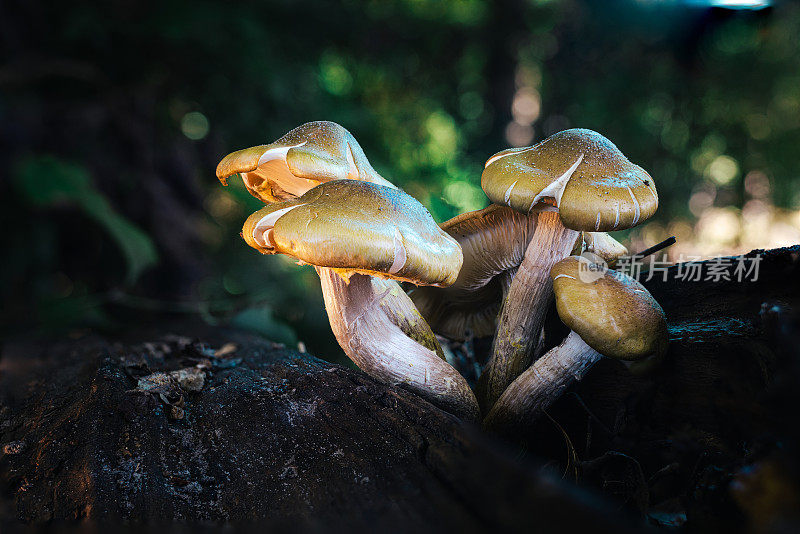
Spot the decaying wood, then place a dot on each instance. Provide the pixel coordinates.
(709, 413)
(106, 432)
(164, 428)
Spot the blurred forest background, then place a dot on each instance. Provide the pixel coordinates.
(114, 115)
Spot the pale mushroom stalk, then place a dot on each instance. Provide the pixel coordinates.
(522, 315)
(362, 238)
(609, 313)
(543, 383)
(523, 312)
(381, 331)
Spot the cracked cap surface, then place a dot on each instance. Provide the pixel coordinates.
(356, 226)
(312, 153)
(581, 173)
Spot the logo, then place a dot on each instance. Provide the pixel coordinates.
(591, 267)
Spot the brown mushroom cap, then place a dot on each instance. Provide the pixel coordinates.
(493, 241)
(584, 175)
(355, 226)
(312, 153)
(614, 314)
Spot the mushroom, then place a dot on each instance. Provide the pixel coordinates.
(573, 181)
(493, 241)
(600, 244)
(609, 314)
(312, 153)
(362, 238)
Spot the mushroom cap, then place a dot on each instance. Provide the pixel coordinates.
(493, 241)
(354, 226)
(312, 153)
(580, 173)
(601, 244)
(613, 313)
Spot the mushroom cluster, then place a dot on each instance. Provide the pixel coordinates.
(327, 207)
(490, 272)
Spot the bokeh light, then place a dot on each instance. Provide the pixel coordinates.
(706, 99)
(194, 125)
(723, 169)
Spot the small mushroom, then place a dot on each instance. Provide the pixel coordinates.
(609, 314)
(309, 155)
(493, 241)
(573, 181)
(362, 238)
(600, 244)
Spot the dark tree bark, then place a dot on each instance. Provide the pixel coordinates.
(677, 442)
(103, 432)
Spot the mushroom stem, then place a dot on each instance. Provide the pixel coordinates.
(542, 384)
(383, 333)
(522, 315)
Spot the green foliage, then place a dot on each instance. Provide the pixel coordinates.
(47, 181)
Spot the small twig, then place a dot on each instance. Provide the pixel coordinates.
(638, 256)
(655, 248)
(572, 455)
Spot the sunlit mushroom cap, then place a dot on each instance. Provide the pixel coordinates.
(312, 153)
(601, 244)
(580, 173)
(355, 226)
(613, 313)
(493, 241)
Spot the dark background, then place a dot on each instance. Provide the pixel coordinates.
(114, 115)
